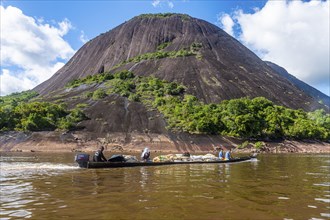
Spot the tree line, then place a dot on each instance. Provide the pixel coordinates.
(244, 117)
(17, 113)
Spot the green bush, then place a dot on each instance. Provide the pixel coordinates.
(88, 94)
(259, 145)
(243, 145)
(82, 105)
(134, 97)
(69, 122)
(125, 74)
(163, 45)
(65, 124)
(99, 94)
(90, 79)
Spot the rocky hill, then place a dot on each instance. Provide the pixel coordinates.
(221, 68)
(190, 54)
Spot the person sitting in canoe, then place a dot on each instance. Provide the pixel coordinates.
(145, 156)
(98, 156)
(228, 155)
(221, 154)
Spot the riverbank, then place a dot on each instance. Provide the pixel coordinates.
(135, 142)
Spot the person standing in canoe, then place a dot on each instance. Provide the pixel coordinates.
(98, 156)
(145, 156)
(221, 154)
(228, 155)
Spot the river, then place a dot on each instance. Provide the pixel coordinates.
(276, 186)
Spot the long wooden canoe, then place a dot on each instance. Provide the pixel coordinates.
(95, 165)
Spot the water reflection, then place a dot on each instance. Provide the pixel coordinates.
(97, 181)
(13, 199)
(227, 171)
(144, 176)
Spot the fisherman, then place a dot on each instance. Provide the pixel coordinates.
(145, 156)
(221, 154)
(98, 156)
(228, 155)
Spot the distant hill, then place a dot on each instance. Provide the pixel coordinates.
(316, 94)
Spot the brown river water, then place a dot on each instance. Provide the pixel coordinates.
(51, 186)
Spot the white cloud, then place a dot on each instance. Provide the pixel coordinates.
(31, 50)
(226, 23)
(83, 38)
(159, 3)
(65, 26)
(170, 4)
(292, 34)
(155, 3)
(17, 83)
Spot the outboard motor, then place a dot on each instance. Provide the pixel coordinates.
(82, 160)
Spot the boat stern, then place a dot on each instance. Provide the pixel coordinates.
(82, 160)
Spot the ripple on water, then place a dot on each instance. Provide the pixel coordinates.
(16, 193)
(26, 170)
(315, 174)
(325, 215)
(17, 159)
(21, 213)
(323, 200)
(327, 184)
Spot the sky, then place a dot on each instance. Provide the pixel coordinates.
(39, 37)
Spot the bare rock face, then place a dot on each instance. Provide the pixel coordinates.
(300, 84)
(224, 68)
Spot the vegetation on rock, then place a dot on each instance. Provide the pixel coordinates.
(99, 94)
(244, 117)
(160, 54)
(163, 45)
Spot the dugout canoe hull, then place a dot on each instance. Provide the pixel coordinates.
(96, 165)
